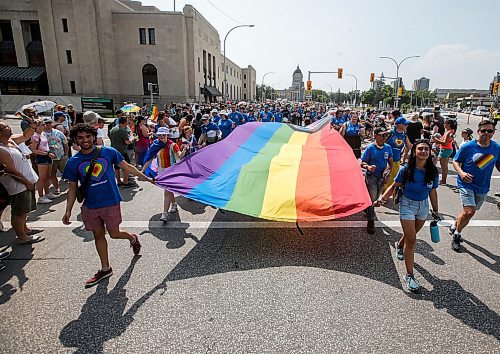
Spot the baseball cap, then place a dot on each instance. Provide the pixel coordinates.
(174, 133)
(48, 120)
(162, 131)
(401, 120)
(58, 114)
(379, 130)
(214, 111)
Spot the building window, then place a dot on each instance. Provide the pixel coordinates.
(151, 34)
(199, 64)
(65, 24)
(149, 75)
(244, 85)
(245, 96)
(244, 76)
(73, 86)
(69, 58)
(142, 35)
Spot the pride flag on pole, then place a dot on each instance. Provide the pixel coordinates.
(154, 114)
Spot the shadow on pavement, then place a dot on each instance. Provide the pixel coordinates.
(103, 316)
(175, 238)
(461, 304)
(344, 250)
(19, 258)
(495, 266)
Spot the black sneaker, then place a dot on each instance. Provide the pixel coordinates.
(370, 227)
(455, 244)
(100, 275)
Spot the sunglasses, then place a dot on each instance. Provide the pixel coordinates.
(489, 131)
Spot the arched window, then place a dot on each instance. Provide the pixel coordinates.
(149, 75)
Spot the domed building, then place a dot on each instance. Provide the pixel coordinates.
(296, 91)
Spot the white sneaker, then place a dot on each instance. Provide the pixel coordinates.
(164, 217)
(43, 200)
(173, 208)
(51, 196)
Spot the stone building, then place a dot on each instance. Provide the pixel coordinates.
(113, 49)
(297, 90)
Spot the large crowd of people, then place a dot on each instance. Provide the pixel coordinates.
(399, 158)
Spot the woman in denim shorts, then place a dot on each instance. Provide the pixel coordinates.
(419, 182)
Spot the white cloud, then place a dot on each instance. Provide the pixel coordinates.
(456, 66)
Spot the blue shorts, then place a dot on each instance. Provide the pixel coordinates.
(43, 160)
(445, 153)
(471, 198)
(413, 209)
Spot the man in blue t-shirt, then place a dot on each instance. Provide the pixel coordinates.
(400, 144)
(215, 116)
(474, 163)
(278, 116)
(266, 116)
(236, 117)
(210, 131)
(101, 207)
(377, 160)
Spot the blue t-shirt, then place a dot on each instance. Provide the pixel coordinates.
(379, 157)
(251, 118)
(208, 127)
(352, 129)
(278, 117)
(216, 119)
(102, 190)
(418, 190)
(337, 120)
(226, 127)
(243, 119)
(265, 116)
(479, 162)
(235, 116)
(396, 141)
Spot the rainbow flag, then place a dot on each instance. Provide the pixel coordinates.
(154, 114)
(274, 171)
(482, 161)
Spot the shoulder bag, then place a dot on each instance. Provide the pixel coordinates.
(81, 191)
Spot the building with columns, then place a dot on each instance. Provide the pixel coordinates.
(113, 49)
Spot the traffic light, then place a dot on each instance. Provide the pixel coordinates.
(372, 77)
(309, 85)
(496, 88)
(400, 91)
(339, 73)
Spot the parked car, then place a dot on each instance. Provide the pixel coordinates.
(484, 112)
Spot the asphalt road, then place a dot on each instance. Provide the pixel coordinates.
(214, 281)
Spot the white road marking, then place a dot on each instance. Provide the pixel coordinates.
(249, 224)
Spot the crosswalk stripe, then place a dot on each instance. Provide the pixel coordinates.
(249, 224)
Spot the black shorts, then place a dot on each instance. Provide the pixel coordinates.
(125, 157)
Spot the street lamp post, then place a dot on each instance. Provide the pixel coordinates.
(262, 86)
(396, 99)
(356, 91)
(224, 89)
(331, 92)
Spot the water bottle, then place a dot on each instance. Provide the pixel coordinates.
(434, 231)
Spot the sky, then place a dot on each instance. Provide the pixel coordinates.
(457, 41)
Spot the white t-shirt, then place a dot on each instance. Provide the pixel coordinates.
(100, 134)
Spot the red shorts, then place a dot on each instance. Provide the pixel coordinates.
(95, 219)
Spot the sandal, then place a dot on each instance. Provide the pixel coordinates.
(30, 240)
(34, 232)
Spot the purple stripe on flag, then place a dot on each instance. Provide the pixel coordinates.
(203, 163)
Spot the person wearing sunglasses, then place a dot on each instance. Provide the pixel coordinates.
(474, 163)
(419, 182)
(377, 161)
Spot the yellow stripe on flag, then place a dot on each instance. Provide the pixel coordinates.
(279, 198)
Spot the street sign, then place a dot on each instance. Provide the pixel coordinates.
(97, 104)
